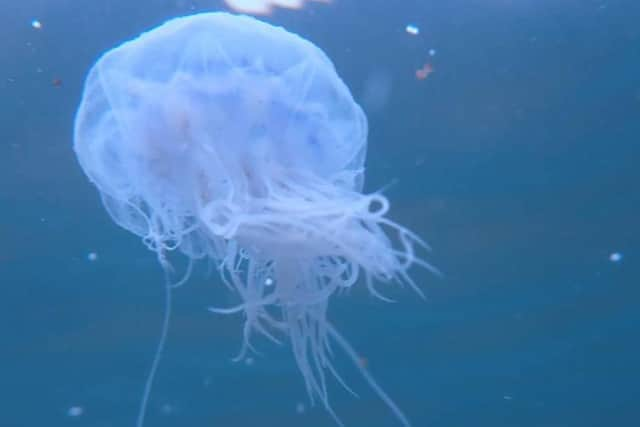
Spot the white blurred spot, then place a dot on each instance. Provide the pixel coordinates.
(75, 411)
(268, 281)
(615, 257)
(300, 408)
(412, 29)
(92, 256)
(36, 24)
(288, 4)
(265, 7)
(257, 7)
(432, 52)
(507, 397)
(249, 361)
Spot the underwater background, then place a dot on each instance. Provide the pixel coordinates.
(516, 157)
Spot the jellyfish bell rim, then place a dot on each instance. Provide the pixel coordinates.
(170, 28)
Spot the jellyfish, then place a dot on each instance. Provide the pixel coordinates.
(226, 139)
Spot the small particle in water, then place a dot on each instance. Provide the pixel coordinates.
(75, 411)
(300, 408)
(249, 361)
(268, 281)
(92, 256)
(36, 24)
(167, 409)
(424, 72)
(56, 82)
(615, 257)
(507, 397)
(432, 52)
(412, 29)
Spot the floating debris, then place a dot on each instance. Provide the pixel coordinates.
(615, 257)
(424, 72)
(36, 24)
(432, 52)
(92, 256)
(412, 29)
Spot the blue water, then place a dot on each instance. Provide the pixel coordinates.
(516, 159)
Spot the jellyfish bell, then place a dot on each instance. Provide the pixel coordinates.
(229, 139)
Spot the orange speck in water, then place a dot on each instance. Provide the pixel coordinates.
(423, 73)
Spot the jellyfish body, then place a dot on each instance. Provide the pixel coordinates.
(229, 139)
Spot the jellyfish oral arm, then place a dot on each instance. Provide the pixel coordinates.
(312, 246)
